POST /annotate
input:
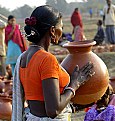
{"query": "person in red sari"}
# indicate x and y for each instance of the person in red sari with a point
(14, 42)
(76, 21)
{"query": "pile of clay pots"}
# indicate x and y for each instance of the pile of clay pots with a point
(5, 99)
(95, 49)
(58, 51)
(104, 48)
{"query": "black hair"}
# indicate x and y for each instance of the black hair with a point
(76, 9)
(103, 102)
(100, 22)
(10, 17)
(46, 17)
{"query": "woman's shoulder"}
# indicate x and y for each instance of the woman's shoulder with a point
(7, 27)
(47, 55)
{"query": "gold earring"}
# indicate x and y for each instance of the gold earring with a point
(53, 39)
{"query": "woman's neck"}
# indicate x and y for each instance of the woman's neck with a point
(44, 44)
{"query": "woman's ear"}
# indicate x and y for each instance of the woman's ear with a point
(52, 32)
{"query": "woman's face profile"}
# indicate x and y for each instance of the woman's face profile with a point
(58, 29)
(12, 21)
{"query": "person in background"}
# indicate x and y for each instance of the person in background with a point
(76, 21)
(91, 12)
(99, 37)
(14, 42)
(101, 13)
(109, 21)
(47, 86)
(2, 47)
(104, 109)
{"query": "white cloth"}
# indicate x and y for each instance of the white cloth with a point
(2, 38)
(2, 24)
(34, 118)
(18, 102)
(65, 115)
(110, 17)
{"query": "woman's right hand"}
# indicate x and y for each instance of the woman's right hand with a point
(81, 75)
(13, 26)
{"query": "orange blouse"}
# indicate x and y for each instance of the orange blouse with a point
(42, 65)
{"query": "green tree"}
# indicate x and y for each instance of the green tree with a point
(23, 11)
(61, 5)
(4, 11)
(51, 2)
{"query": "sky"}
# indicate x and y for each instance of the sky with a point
(12, 4)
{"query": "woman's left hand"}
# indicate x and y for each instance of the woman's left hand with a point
(81, 75)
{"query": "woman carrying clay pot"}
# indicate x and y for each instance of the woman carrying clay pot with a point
(48, 88)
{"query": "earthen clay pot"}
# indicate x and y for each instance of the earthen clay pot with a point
(5, 108)
(112, 82)
(80, 54)
(2, 86)
(8, 85)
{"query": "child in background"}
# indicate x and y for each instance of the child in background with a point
(99, 37)
(104, 109)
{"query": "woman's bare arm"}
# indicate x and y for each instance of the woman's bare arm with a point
(54, 102)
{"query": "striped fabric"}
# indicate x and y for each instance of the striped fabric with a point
(18, 100)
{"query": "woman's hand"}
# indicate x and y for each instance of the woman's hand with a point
(80, 76)
(13, 26)
(12, 32)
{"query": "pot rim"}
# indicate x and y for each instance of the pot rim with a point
(5, 98)
(7, 81)
(85, 43)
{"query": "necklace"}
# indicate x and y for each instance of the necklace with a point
(37, 46)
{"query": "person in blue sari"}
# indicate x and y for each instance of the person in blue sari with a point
(14, 42)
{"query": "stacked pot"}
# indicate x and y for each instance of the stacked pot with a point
(5, 99)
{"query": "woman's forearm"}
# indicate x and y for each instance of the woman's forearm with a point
(66, 97)
(54, 102)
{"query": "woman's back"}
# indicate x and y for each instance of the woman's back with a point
(42, 65)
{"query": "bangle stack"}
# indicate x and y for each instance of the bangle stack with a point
(70, 88)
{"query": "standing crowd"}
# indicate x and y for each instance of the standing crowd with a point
(108, 21)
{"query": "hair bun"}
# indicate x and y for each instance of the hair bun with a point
(32, 34)
(27, 29)
(30, 21)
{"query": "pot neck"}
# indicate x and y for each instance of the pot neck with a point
(74, 50)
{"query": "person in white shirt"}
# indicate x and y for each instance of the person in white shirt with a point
(109, 21)
(2, 47)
